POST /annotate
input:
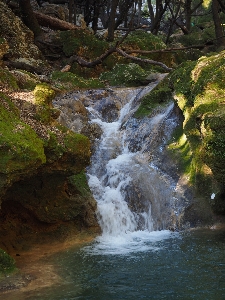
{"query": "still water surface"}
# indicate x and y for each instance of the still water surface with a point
(157, 265)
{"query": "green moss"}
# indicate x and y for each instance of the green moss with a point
(43, 114)
(7, 263)
(158, 96)
(80, 182)
(7, 80)
(20, 147)
(43, 94)
(81, 42)
(70, 81)
(144, 40)
(70, 142)
(53, 149)
(181, 153)
(27, 80)
(78, 143)
(124, 75)
(199, 92)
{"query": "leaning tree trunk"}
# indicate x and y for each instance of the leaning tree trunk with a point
(217, 23)
(54, 23)
(29, 18)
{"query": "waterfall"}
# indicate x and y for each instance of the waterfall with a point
(138, 191)
(109, 177)
(124, 203)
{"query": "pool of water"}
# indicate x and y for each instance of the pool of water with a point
(159, 265)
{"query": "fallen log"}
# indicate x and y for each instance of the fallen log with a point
(23, 66)
(54, 23)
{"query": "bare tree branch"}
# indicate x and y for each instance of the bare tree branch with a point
(84, 63)
(165, 50)
(147, 61)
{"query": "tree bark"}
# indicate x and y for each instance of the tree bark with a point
(29, 18)
(111, 24)
(157, 14)
(217, 23)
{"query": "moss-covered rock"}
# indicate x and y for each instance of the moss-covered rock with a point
(82, 43)
(25, 80)
(159, 96)
(140, 39)
(125, 75)
(70, 81)
(39, 200)
(199, 92)
(20, 147)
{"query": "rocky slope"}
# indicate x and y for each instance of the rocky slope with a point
(43, 191)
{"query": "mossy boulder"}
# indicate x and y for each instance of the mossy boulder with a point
(159, 96)
(66, 154)
(25, 80)
(199, 92)
(20, 148)
(70, 81)
(43, 190)
(44, 94)
(124, 75)
(143, 40)
(81, 42)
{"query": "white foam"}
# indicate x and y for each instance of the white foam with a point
(126, 244)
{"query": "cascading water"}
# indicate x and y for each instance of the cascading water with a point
(134, 196)
(109, 177)
(136, 188)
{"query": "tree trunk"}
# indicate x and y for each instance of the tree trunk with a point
(124, 8)
(157, 14)
(111, 24)
(29, 18)
(187, 11)
(72, 17)
(217, 23)
(96, 15)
